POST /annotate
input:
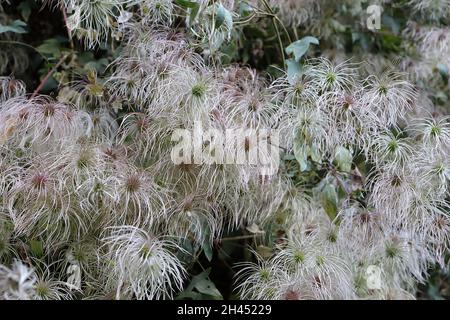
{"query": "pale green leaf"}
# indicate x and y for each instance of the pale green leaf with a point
(300, 47)
(17, 26)
(343, 158)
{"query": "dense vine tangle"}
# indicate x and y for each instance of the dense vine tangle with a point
(107, 201)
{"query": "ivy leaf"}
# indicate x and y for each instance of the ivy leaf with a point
(37, 248)
(343, 158)
(300, 47)
(17, 26)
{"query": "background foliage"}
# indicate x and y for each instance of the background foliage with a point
(35, 47)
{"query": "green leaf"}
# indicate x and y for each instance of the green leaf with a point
(194, 13)
(300, 47)
(442, 68)
(391, 42)
(441, 96)
(443, 71)
(97, 65)
(245, 9)
(208, 288)
(363, 39)
(264, 251)
(193, 6)
(343, 158)
(301, 153)
(186, 4)
(315, 154)
(294, 70)
(25, 8)
(223, 17)
(50, 47)
(200, 286)
(50, 84)
(392, 23)
(339, 27)
(37, 248)
(17, 26)
(330, 200)
(207, 249)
